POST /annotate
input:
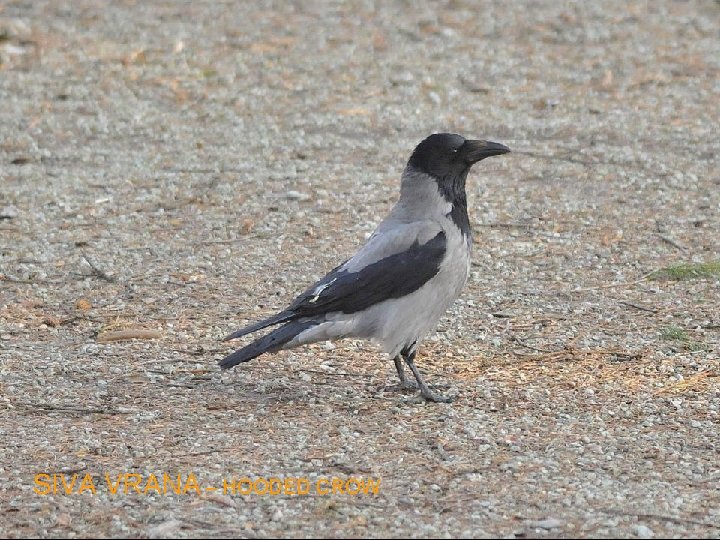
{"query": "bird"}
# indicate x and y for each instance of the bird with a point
(398, 285)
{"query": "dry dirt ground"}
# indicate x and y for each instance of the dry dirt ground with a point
(173, 170)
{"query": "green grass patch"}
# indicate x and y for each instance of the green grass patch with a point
(684, 271)
(674, 333)
(681, 339)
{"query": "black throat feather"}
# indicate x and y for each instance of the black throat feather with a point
(452, 188)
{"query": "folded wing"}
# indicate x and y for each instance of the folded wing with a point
(390, 265)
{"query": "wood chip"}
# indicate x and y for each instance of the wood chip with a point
(220, 499)
(120, 335)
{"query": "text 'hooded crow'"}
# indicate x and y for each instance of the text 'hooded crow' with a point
(397, 286)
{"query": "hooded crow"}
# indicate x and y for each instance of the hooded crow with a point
(397, 286)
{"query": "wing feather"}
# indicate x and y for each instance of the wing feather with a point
(395, 275)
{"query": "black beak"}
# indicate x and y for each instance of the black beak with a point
(479, 150)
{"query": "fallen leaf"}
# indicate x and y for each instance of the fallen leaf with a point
(247, 226)
(83, 304)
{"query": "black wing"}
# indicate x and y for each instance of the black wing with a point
(344, 291)
(284, 316)
(392, 277)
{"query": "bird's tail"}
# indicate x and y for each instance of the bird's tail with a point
(272, 342)
(270, 321)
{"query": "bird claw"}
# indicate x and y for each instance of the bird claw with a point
(412, 385)
(436, 398)
(403, 386)
(407, 386)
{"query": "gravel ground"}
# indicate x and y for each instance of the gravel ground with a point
(176, 169)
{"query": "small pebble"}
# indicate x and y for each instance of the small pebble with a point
(547, 523)
(642, 531)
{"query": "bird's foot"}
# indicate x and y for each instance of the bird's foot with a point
(429, 395)
(435, 398)
(403, 386)
(425, 392)
(412, 385)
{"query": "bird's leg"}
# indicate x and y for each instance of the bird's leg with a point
(424, 390)
(404, 383)
(400, 370)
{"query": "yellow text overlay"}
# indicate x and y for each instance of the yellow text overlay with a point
(166, 484)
